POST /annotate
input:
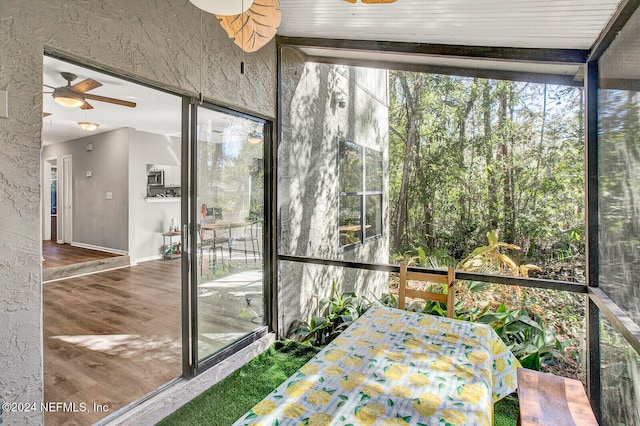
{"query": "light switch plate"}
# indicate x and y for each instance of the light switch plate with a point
(4, 104)
(88, 173)
(109, 195)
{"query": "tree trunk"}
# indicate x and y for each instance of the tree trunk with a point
(462, 137)
(507, 158)
(492, 213)
(413, 96)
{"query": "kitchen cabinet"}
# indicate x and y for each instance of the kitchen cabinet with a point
(171, 176)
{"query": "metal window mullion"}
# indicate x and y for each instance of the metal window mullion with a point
(193, 220)
(594, 383)
(187, 364)
(363, 196)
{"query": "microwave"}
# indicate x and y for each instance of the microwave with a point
(155, 178)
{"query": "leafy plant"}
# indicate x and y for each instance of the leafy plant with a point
(526, 337)
(338, 312)
(492, 254)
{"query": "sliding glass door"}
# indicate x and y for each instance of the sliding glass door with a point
(226, 227)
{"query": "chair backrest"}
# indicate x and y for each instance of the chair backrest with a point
(405, 292)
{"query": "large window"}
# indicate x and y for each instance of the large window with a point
(360, 193)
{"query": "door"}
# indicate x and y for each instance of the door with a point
(46, 199)
(226, 227)
(67, 200)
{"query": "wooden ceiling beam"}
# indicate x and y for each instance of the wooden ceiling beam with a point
(573, 56)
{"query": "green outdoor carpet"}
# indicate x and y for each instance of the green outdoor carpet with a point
(228, 400)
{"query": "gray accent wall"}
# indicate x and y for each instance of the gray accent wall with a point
(97, 221)
(308, 189)
(153, 41)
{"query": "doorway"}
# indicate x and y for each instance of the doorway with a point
(190, 216)
(50, 200)
(67, 199)
(111, 325)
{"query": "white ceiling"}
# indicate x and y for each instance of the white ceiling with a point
(527, 24)
(558, 24)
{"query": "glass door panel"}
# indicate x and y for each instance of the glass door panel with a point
(228, 258)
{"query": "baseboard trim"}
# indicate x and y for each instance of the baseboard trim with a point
(99, 248)
(146, 259)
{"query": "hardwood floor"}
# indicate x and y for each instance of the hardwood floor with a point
(56, 255)
(110, 338)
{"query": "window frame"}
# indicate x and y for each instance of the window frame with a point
(368, 157)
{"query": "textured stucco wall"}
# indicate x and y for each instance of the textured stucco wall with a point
(154, 41)
(308, 202)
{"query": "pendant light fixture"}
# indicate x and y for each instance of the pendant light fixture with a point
(254, 137)
(223, 7)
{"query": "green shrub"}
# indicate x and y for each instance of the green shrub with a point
(338, 312)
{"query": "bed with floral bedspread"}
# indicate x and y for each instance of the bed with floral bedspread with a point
(393, 367)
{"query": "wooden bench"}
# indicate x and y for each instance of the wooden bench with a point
(546, 399)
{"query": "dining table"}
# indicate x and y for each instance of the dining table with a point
(395, 367)
(223, 228)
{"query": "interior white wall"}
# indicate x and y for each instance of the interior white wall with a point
(153, 41)
(150, 218)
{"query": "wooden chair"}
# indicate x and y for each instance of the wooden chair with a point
(546, 399)
(205, 245)
(405, 292)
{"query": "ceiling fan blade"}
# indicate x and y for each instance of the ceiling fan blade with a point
(50, 87)
(86, 85)
(86, 105)
(45, 114)
(110, 100)
(47, 93)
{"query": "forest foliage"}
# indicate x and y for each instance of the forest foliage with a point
(469, 156)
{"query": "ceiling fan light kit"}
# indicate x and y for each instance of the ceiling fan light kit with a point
(68, 97)
(223, 7)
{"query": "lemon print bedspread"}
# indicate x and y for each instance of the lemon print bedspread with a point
(393, 367)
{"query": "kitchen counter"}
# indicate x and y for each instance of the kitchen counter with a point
(163, 199)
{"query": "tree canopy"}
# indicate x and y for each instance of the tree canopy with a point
(468, 156)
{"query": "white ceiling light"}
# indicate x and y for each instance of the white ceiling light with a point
(223, 7)
(254, 138)
(88, 126)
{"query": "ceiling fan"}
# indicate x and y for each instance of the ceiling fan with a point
(76, 95)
